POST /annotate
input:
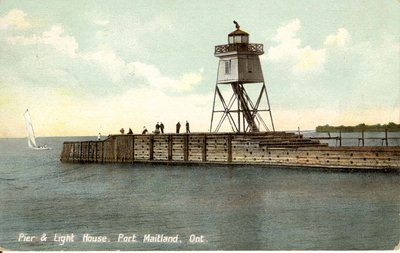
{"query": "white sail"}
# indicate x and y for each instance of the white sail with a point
(29, 127)
(31, 134)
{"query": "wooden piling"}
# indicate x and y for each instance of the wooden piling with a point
(169, 147)
(386, 137)
(151, 152)
(229, 141)
(204, 148)
(362, 138)
(81, 153)
(186, 148)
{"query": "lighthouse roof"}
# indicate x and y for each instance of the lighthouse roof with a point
(238, 32)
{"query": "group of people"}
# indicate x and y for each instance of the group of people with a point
(159, 129)
(122, 131)
(178, 127)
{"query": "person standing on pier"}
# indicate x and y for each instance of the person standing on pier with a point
(157, 131)
(162, 127)
(122, 131)
(144, 130)
(187, 127)
(130, 131)
(99, 137)
(178, 127)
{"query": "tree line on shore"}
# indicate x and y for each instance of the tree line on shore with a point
(390, 127)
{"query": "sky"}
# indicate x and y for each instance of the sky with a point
(84, 67)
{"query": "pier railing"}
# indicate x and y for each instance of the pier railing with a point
(359, 140)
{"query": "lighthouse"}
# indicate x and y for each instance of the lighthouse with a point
(240, 96)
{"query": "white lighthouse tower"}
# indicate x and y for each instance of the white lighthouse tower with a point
(239, 66)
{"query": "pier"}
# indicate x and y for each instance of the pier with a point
(253, 139)
(266, 148)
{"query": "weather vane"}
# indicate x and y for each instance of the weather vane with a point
(237, 24)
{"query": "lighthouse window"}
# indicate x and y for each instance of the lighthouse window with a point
(227, 67)
(249, 67)
(238, 39)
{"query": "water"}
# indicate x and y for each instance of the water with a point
(227, 207)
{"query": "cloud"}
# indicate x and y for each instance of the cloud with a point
(287, 32)
(118, 69)
(288, 46)
(55, 37)
(109, 61)
(156, 80)
(289, 50)
(303, 59)
(15, 18)
(340, 39)
(188, 81)
(112, 64)
(309, 60)
(63, 43)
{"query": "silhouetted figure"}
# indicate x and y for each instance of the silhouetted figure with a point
(187, 127)
(122, 131)
(130, 131)
(144, 130)
(162, 127)
(157, 131)
(178, 127)
(99, 137)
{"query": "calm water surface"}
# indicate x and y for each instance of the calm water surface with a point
(233, 208)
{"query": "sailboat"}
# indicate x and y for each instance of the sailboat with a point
(31, 134)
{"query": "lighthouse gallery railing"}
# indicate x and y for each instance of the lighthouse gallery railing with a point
(239, 47)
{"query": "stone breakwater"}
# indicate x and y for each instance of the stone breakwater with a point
(268, 148)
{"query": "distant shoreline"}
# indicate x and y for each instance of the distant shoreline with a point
(390, 127)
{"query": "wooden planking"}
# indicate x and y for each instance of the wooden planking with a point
(142, 147)
(178, 142)
(196, 147)
(217, 149)
(123, 149)
(319, 157)
(160, 148)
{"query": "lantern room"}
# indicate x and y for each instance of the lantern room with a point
(238, 36)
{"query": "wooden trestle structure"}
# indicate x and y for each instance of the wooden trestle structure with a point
(265, 148)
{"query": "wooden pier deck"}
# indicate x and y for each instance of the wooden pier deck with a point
(268, 148)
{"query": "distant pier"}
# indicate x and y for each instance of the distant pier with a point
(266, 148)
